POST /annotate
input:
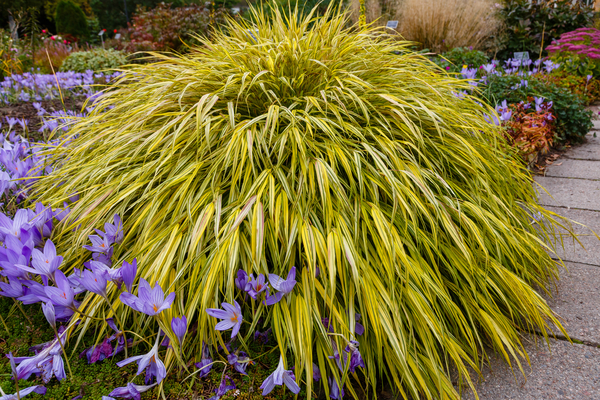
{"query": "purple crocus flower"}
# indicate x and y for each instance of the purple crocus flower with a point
(205, 364)
(114, 232)
(13, 288)
(105, 349)
(283, 286)
(128, 273)
(335, 392)
(94, 282)
(355, 357)
(278, 378)
(131, 391)
(358, 327)
(151, 301)
(150, 362)
(240, 361)
(256, 286)
(231, 316)
(241, 280)
(316, 373)
(13, 227)
(61, 295)
(179, 326)
(99, 245)
(223, 387)
(23, 392)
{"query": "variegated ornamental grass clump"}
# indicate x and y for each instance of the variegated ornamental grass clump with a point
(312, 145)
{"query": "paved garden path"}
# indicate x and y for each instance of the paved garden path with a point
(565, 371)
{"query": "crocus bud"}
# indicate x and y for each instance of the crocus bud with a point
(179, 326)
(48, 309)
(128, 272)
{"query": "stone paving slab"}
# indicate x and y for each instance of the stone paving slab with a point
(567, 192)
(586, 151)
(576, 299)
(567, 371)
(573, 168)
(573, 251)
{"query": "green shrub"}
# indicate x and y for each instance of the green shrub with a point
(529, 22)
(455, 59)
(95, 60)
(70, 19)
(311, 144)
(573, 121)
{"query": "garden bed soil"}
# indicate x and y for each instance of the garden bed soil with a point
(26, 110)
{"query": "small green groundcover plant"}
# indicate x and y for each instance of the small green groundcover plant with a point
(94, 60)
(297, 147)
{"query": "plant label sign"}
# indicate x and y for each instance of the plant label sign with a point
(101, 32)
(392, 24)
(524, 55)
(118, 36)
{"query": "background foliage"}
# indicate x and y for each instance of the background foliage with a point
(95, 60)
(573, 120)
(528, 23)
(71, 20)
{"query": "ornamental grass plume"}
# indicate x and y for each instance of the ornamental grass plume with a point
(334, 150)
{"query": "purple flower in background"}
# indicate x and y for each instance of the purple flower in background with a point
(355, 357)
(223, 388)
(151, 301)
(241, 280)
(131, 391)
(283, 286)
(128, 273)
(239, 361)
(150, 362)
(588, 78)
(179, 326)
(491, 119)
(231, 316)
(256, 286)
(358, 327)
(335, 392)
(205, 364)
(278, 378)
(316, 373)
(262, 336)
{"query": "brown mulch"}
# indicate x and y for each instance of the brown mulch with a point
(26, 110)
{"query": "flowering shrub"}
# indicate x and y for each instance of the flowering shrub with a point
(578, 52)
(165, 28)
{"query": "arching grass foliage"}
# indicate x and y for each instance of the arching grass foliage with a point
(338, 151)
